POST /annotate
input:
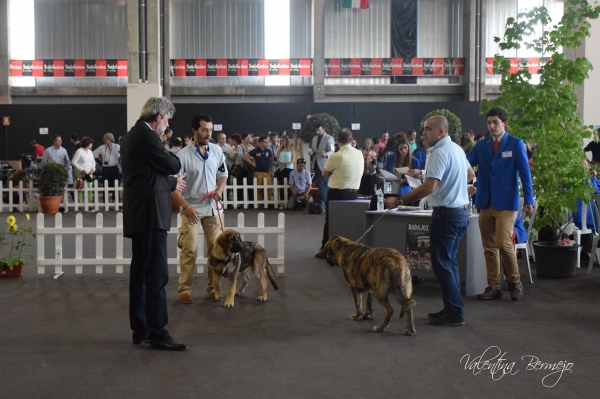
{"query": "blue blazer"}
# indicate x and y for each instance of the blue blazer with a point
(497, 179)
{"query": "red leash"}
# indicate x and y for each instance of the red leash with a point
(218, 205)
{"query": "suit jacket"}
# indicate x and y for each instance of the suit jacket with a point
(147, 181)
(326, 144)
(497, 179)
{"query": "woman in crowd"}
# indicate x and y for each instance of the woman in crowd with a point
(84, 164)
(368, 179)
(286, 161)
(403, 159)
(247, 171)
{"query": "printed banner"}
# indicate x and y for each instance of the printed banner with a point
(68, 68)
(241, 67)
(418, 251)
(394, 66)
(516, 64)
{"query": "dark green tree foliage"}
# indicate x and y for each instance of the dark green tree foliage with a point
(545, 114)
(53, 179)
(309, 126)
(454, 123)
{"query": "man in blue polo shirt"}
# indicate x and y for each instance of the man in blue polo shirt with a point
(446, 185)
(262, 159)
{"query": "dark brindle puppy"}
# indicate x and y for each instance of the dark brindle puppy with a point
(378, 271)
(231, 256)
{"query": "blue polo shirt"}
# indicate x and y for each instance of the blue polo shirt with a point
(448, 163)
(261, 157)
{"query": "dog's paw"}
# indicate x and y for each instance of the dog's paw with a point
(410, 332)
(379, 328)
(356, 316)
(368, 316)
(215, 298)
(239, 293)
(262, 298)
(228, 304)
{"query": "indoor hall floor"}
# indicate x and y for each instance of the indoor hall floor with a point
(70, 338)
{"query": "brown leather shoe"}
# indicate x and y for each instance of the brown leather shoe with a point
(516, 291)
(186, 297)
(490, 293)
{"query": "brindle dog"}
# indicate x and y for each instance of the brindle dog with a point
(231, 256)
(377, 271)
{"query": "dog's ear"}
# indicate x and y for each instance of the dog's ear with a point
(224, 241)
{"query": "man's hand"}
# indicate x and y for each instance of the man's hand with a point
(180, 183)
(414, 172)
(390, 202)
(528, 209)
(323, 154)
(471, 190)
(191, 214)
(217, 196)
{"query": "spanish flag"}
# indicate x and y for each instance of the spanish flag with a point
(355, 3)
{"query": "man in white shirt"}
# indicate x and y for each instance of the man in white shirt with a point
(108, 155)
(344, 169)
(203, 164)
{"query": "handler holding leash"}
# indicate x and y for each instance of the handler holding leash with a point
(206, 176)
(448, 172)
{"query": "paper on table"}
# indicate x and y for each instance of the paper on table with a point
(414, 183)
(402, 171)
(387, 175)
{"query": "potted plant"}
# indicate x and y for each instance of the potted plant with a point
(546, 115)
(52, 181)
(12, 265)
(309, 126)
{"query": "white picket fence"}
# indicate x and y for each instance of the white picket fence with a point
(74, 237)
(111, 198)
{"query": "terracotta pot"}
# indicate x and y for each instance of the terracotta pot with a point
(17, 271)
(50, 204)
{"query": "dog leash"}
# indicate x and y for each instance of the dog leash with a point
(369, 229)
(219, 206)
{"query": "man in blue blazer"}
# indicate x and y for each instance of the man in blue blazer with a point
(502, 160)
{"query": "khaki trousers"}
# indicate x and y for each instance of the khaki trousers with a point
(188, 242)
(496, 228)
(261, 177)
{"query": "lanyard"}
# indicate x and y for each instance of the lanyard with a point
(205, 157)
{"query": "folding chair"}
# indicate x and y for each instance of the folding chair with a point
(527, 245)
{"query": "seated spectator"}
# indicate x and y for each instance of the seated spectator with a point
(26, 160)
(300, 184)
(16, 178)
(591, 220)
(403, 158)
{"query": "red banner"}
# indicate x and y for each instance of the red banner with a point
(241, 67)
(532, 64)
(68, 68)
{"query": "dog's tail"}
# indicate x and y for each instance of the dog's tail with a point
(271, 276)
(403, 290)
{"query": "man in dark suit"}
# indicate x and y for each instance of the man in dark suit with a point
(147, 185)
(502, 159)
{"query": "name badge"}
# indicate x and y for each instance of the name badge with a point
(506, 154)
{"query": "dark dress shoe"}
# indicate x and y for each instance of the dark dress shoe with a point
(516, 291)
(168, 344)
(436, 315)
(490, 293)
(141, 340)
(444, 321)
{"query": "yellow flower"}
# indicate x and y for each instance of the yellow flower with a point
(10, 220)
(12, 228)
(27, 216)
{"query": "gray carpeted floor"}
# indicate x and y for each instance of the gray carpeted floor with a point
(69, 338)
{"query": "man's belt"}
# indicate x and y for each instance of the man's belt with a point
(346, 190)
(445, 208)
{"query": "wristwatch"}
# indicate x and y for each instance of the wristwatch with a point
(400, 202)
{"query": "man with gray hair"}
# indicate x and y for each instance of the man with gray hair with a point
(147, 186)
(109, 156)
